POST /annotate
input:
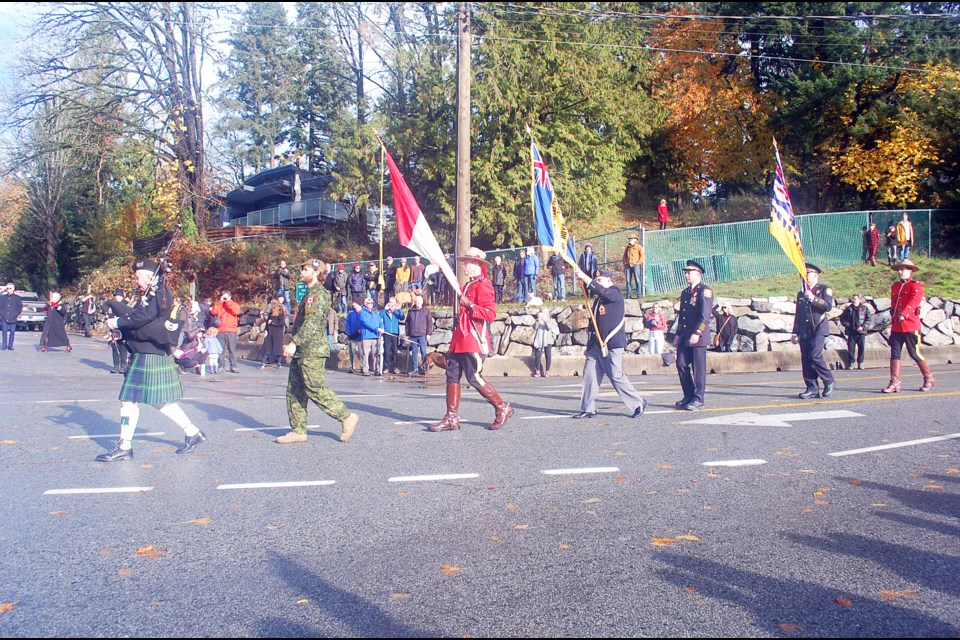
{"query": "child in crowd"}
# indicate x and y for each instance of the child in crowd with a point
(542, 345)
(214, 349)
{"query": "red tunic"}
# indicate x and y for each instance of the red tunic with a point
(662, 214)
(472, 334)
(905, 300)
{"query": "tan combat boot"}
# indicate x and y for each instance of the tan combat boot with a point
(347, 426)
(292, 438)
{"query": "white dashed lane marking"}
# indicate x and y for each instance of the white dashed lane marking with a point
(570, 472)
(65, 492)
(434, 478)
(895, 445)
(275, 485)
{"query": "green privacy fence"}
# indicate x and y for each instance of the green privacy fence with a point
(747, 251)
(729, 252)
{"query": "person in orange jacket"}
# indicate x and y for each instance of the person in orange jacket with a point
(906, 296)
(229, 313)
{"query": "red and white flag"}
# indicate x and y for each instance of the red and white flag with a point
(412, 227)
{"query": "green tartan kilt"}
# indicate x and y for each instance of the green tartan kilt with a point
(151, 379)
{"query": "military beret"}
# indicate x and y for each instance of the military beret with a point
(693, 265)
(604, 273)
(118, 292)
(313, 263)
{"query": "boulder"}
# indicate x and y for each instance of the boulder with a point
(579, 319)
(750, 326)
(775, 336)
(564, 314)
(933, 317)
(632, 325)
(937, 339)
(443, 323)
(833, 342)
(876, 340)
(789, 307)
(882, 304)
(784, 346)
(955, 321)
(946, 327)
(505, 340)
(761, 305)
(440, 336)
(633, 347)
(518, 350)
(572, 351)
(935, 302)
(497, 327)
(776, 322)
(924, 309)
(525, 320)
(762, 342)
(522, 335)
(581, 337)
(949, 307)
(744, 343)
(632, 307)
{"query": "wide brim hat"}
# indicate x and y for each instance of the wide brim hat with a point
(633, 236)
(693, 265)
(812, 267)
(905, 264)
(474, 255)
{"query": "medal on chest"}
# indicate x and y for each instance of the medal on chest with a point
(602, 310)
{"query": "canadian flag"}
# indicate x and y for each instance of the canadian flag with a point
(412, 227)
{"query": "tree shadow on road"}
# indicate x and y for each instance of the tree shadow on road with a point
(335, 607)
(935, 502)
(782, 606)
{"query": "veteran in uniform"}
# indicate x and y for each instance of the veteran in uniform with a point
(810, 329)
(693, 337)
(308, 352)
(604, 355)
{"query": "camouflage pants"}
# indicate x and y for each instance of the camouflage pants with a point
(306, 383)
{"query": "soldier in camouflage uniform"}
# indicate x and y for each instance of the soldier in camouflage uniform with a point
(309, 351)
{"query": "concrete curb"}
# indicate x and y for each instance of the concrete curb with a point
(642, 365)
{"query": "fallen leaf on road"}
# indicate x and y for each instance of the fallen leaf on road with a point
(934, 487)
(62, 512)
(953, 470)
(591, 512)
(511, 506)
(201, 521)
(494, 538)
(150, 551)
(522, 527)
(878, 504)
(689, 589)
(565, 547)
(807, 510)
(821, 492)
(303, 601)
(916, 475)
(620, 479)
(689, 537)
(105, 550)
(619, 454)
(590, 501)
(8, 442)
(789, 627)
(843, 602)
(909, 594)
(821, 502)
(450, 569)
(125, 573)
(853, 482)
(662, 542)
(665, 466)
(786, 453)
(810, 471)
(6, 606)
(399, 596)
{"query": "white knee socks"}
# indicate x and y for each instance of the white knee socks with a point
(175, 413)
(129, 415)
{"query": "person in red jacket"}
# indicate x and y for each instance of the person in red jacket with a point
(663, 215)
(906, 296)
(872, 240)
(229, 312)
(470, 344)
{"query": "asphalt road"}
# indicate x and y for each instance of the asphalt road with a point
(839, 518)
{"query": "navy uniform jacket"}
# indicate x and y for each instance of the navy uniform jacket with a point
(811, 317)
(608, 310)
(696, 307)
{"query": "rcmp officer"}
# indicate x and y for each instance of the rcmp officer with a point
(906, 296)
(810, 329)
(604, 355)
(693, 337)
(308, 351)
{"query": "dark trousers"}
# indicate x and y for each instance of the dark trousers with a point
(9, 330)
(692, 369)
(120, 355)
(498, 290)
(390, 352)
(856, 342)
(87, 320)
(911, 341)
(538, 358)
(814, 366)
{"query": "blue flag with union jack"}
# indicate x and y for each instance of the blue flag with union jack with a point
(551, 230)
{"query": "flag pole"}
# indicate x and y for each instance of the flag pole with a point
(386, 294)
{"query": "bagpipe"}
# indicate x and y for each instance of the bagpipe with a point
(161, 330)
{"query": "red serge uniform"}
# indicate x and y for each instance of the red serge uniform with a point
(905, 300)
(472, 334)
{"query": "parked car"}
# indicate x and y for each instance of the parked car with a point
(34, 311)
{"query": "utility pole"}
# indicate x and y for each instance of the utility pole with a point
(463, 132)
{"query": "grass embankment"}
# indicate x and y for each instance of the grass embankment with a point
(940, 278)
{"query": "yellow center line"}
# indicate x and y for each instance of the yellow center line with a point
(807, 403)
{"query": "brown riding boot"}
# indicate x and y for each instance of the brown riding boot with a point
(504, 410)
(894, 385)
(451, 420)
(928, 380)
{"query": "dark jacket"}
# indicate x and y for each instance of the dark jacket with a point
(557, 265)
(696, 305)
(498, 275)
(853, 318)
(355, 282)
(11, 306)
(811, 318)
(143, 325)
(589, 263)
(608, 310)
(726, 328)
(419, 322)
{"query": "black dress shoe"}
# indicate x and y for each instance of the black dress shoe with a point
(682, 404)
(116, 454)
(828, 389)
(639, 410)
(584, 414)
(694, 405)
(191, 442)
(810, 393)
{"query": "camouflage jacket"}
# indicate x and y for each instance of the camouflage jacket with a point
(310, 328)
